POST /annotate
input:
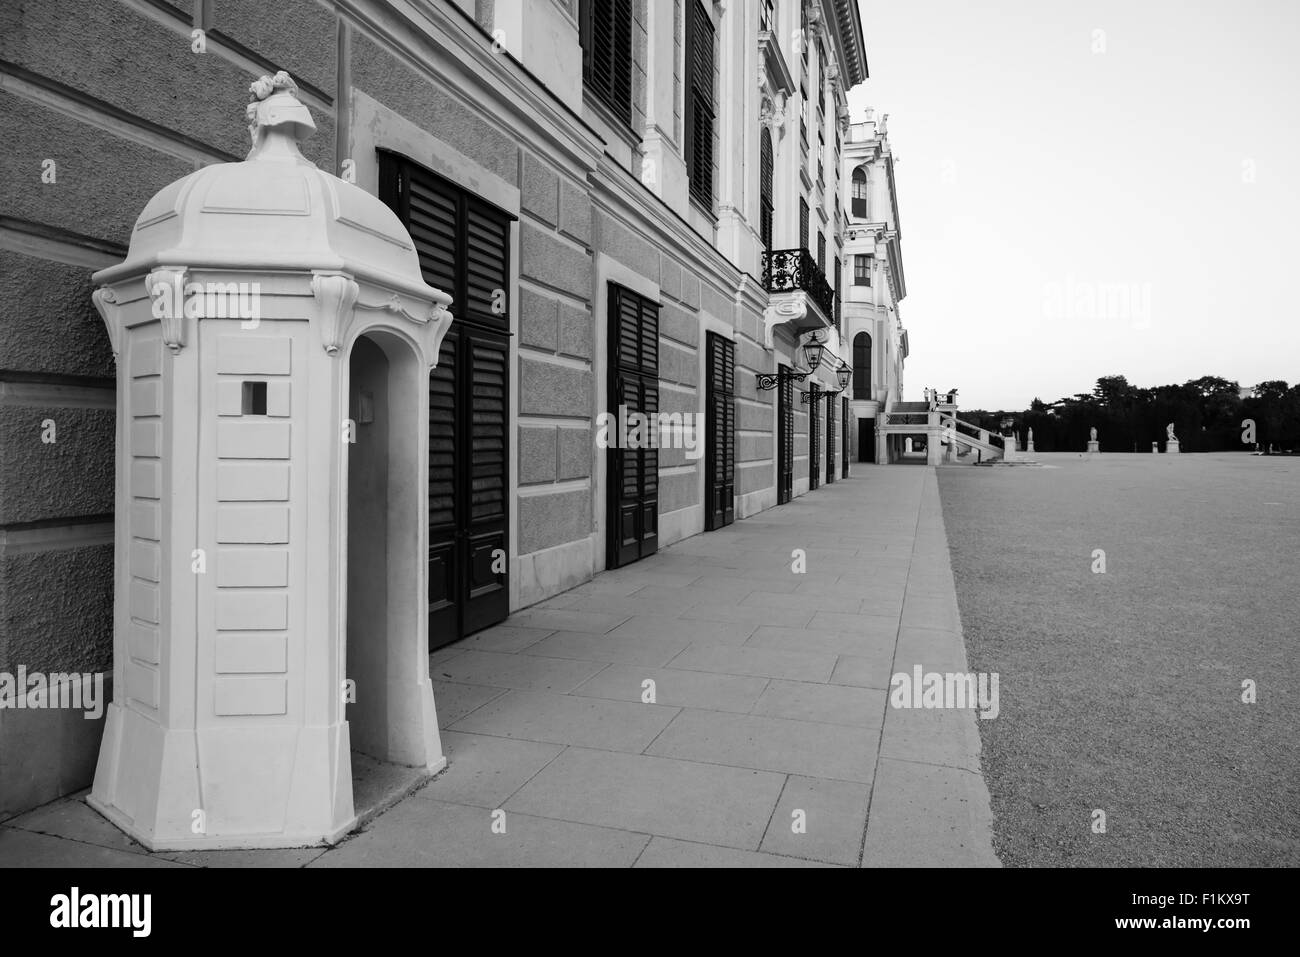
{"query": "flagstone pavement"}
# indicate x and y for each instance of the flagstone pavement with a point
(768, 740)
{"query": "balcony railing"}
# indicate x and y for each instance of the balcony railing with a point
(787, 270)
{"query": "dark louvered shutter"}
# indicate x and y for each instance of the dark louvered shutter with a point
(844, 414)
(606, 38)
(720, 402)
(814, 436)
(839, 270)
(443, 515)
(633, 506)
(765, 164)
(487, 274)
(488, 481)
(821, 250)
(700, 103)
(431, 217)
(785, 437)
(803, 224)
(463, 246)
(831, 438)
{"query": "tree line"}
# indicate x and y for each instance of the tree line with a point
(1209, 414)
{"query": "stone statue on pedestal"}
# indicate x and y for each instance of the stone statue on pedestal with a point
(1093, 445)
(1171, 440)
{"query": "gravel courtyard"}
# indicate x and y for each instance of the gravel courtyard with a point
(1122, 691)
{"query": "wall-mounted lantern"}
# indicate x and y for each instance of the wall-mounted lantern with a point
(813, 349)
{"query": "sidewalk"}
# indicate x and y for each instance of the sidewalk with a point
(770, 699)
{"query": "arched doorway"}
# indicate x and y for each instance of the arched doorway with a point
(388, 697)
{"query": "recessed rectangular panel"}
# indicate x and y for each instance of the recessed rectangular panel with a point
(146, 560)
(144, 599)
(252, 440)
(442, 581)
(252, 611)
(252, 568)
(141, 683)
(146, 397)
(252, 525)
(250, 696)
(146, 479)
(143, 642)
(146, 438)
(249, 354)
(146, 520)
(146, 357)
(253, 482)
(251, 654)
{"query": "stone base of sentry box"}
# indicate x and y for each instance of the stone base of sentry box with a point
(151, 788)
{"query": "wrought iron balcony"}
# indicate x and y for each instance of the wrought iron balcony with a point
(788, 270)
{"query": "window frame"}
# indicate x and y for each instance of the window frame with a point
(621, 16)
(700, 182)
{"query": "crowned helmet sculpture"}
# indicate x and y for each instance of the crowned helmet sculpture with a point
(274, 102)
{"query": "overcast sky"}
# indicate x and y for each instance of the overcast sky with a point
(1092, 188)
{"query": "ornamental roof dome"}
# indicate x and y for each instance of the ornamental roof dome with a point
(275, 210)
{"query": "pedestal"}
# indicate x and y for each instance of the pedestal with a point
(1094, 446)
(1172, 447)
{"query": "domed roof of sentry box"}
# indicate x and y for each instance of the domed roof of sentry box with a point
(275, 210)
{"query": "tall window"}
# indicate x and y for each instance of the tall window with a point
(821, 250)
(862, 270)
(605, 32)
(803, 224)
(765, 187)
(699, 103)
(860, 193)
(862, 366)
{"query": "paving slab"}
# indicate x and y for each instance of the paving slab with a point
(645, 626)
(667, 852)
(504, 638)
(484, 770)
(529, 672)
(718, 611)
(562, 619)
(675, 688)
(73, 819)
(453, 701)
(570, 719)
(928, 816)
(653, 795)
(22, 848)
(772, 744)
(828, 704)
(623, 649)
(820, 820)
(426, 833)
(757, 662)
(860, 672)
(823, 642)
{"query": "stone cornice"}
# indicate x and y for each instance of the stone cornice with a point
(501, 86)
